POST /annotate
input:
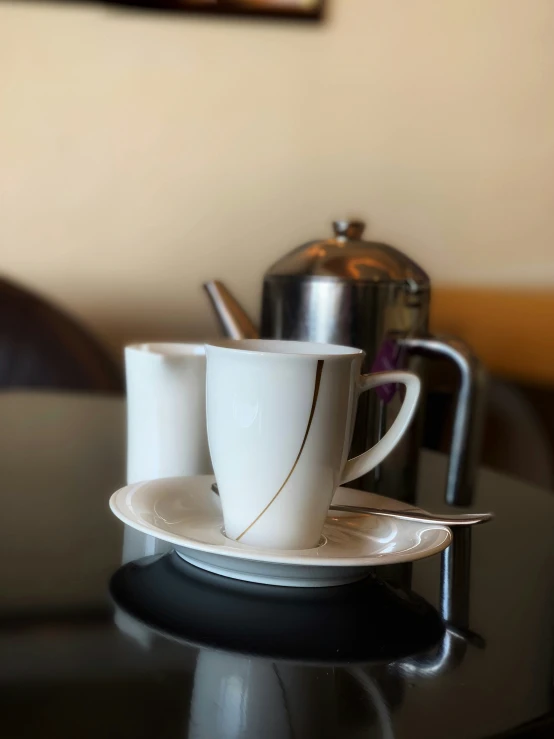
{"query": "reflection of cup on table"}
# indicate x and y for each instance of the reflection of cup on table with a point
(236, 696)
(166, 421)
(280, 418)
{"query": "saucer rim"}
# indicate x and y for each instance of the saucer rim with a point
(277, 556)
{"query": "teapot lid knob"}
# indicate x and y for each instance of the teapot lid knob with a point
(348, 229)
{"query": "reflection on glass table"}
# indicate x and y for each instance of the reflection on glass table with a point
(459, 647)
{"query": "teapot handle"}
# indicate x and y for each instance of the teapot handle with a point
(465, 445)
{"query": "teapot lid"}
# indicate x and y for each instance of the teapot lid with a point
(348, 257)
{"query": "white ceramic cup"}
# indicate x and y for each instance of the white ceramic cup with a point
(280, 417)
(166, 411)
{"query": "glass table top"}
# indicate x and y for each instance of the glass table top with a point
(102, 639)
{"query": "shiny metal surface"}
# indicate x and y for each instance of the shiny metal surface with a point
(454, 601)
(347, 257)
(467, 429)
(459, 519)
(234, 321)
(347, 291)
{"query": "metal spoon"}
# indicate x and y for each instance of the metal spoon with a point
(411, 514)
(417, 514)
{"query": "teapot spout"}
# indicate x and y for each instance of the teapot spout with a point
(234, 321)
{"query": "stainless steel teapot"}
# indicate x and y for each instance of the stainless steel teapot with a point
(345, 290)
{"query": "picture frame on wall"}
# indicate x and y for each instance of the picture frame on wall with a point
(292, 9)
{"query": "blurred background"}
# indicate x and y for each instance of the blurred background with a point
(142, 153)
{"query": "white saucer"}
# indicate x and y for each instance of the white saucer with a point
(185, 512)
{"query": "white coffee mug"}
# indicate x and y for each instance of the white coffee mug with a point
(166, 411)
(280, 417)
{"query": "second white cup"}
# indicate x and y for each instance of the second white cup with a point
(166, 411)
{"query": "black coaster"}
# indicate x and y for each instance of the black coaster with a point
(367, 621)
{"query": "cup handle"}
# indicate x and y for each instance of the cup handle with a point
(362, 464)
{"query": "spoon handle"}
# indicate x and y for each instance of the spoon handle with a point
(412, 514)
(458, 519)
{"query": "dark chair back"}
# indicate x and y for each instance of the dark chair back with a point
(43, 347)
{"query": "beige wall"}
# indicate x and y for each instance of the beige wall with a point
(141, 155)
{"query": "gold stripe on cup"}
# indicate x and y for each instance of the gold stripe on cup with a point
(318, 373)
